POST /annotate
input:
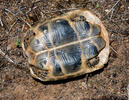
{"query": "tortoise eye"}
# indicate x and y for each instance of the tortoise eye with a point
(34, 33)
(27, 38)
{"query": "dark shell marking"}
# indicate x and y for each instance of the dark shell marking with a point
(67, 58)
(62, 45)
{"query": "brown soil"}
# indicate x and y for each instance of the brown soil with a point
(109, 83)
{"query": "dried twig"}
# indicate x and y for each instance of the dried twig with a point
(17, 19)
(1, 22)
(23, 27)
(13, 25)
(6, 56)
(111, 14)
(114, 50)
(61, 10)
(10, 12)
(25, 22)
(113, 7)
(8, 16)
(112, 10)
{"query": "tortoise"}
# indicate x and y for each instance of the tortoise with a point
(67, 46)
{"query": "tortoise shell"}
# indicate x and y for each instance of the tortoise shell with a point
(66, 46)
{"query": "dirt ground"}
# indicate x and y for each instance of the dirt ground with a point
(109, 83)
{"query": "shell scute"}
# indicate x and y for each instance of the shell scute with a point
(89, 49)
(36, 45)
(70, 58)
(41, 60)
(100, 42)
(44, 35)
(62, 32)
(83, 29)
(95, 30)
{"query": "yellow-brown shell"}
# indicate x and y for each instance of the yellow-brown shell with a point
(66, 46)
